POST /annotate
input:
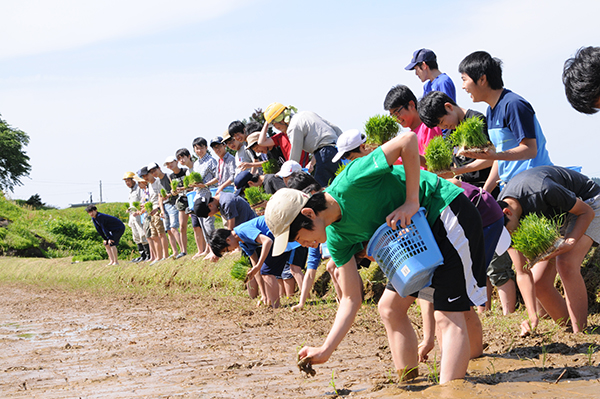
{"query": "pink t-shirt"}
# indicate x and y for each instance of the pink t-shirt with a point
(424, 136)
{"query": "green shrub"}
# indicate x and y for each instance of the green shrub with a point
(535, 236)
(438, 154)
(380, 129)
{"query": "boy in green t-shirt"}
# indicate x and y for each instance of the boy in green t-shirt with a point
(369, 192)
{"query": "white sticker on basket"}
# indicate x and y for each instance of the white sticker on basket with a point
(405, 270)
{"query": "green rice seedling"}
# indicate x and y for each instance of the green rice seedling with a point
(332, 382)
(240, 268)
(163, 192)
(590, 352)
(174, 184)
(536, 237)
(136, 205)
(148, 206)
(195, 178)
(438, 155)
(270, 167)
(340, 169)
(434, 372)
(186, 181)
(469, 135)
(254, 195)
(380, 129)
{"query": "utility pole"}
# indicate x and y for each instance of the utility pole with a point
(91, 200)
(100, 191)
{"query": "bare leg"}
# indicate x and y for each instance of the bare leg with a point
(401, 336)
(297, 273)
(252, 287)
(164, 243)
(199, 238)
(455, 345)
(109, 253)
(272, 290)
(183, 221)
(261, 288)
(307, 285)
(289, 286)
(554, 304)
(488, 304)
(173, 233)
(475, 333)
(508, 296)
(568, 266)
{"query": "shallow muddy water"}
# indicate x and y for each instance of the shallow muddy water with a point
(57, 344)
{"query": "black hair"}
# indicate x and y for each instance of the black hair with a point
(254, 178)
(399, 96)
(253, 126)
(304, 182)
(182, 152)
(431, 64)
(200, 142)
(354, 150)
(90, 208)
(318, 204)
(218, 241)
(480, 63)
(504, 204)
(432, 108)
(236, 127)
(581, 77)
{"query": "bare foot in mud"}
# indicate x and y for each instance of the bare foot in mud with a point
(297, 307)
(526, 329)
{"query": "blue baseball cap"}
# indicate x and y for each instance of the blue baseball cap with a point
(241, 181)
(420, 56)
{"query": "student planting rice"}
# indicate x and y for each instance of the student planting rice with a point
(552, 191)
(348, 213)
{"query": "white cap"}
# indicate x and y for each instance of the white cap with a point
(288, 168)
(152, 165)
(281, 210)
(347, 141)
(170, 159)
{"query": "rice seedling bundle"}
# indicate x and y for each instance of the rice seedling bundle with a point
(438, 155)
(469, 135)
(340, 169)
(380, 129)
(536, 237)
(240, 268)
(136, 205)
(148, 206)
(270, 167)
(186, 181)
(174, 184)
(163, 192)
(195, 178)
(254, 195)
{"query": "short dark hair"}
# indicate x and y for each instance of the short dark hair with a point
(304, 182)
(254, 178)
(253, 126)
(200, 142)
(504, 204)
(318, 204)
(218, 241)
(432, 108)
(399, 96)
(480, 63)
(236, 127)
(90, 208)
(431, 64)
(581, 77)
(182, 152)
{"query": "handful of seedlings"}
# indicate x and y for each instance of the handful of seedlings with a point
(256, 195)
(270, 167)
(148, 206)
(438, 155)
(537, 237)
(174, 184)
(195, 178)
(163, 192)
(186, 181)
(136, 205)
(469, 136)
(380, 129)
(306, 367)
(240, 268)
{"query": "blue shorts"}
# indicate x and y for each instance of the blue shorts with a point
(286, 274)
(171, 217)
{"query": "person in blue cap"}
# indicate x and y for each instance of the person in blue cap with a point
(424, 63)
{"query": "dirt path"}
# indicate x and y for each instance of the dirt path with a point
(57, 344)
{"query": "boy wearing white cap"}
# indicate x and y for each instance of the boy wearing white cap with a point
(287, 169)
(348, 213)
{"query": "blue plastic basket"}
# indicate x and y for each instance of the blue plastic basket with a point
(408, 256)
(191, 196)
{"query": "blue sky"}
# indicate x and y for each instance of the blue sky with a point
(106, 87)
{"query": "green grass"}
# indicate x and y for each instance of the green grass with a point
(380, 129)
(438, 154)
(535, 235)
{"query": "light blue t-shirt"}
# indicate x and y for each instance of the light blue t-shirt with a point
(509, 122)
